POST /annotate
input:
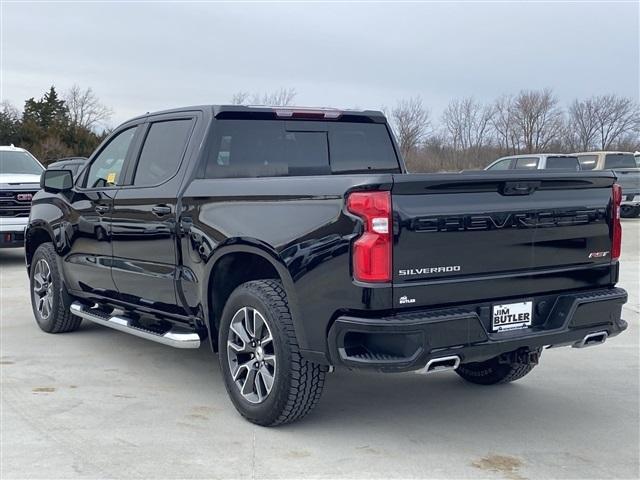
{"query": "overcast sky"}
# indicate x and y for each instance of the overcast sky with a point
(142, 57)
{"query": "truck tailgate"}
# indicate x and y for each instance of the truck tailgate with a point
(462, 238)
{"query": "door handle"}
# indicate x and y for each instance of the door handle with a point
(101, 209)
(161, 210)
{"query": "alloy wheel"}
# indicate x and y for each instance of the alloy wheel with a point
(251, 354)
(43, 288)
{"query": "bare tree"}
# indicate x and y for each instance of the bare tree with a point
(240, 98)
(411, 123)
(615, 117)
(467, 123)
(85, 109)
(280, 97)
(504, 125)
(539, 119)
(582, 128)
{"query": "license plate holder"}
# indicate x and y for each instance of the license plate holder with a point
(511, 316)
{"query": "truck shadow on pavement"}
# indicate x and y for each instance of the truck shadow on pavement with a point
(440, 403)
(10, 257)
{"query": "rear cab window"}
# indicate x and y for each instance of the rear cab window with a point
(619, 160)
(563, 163)
(272, 148)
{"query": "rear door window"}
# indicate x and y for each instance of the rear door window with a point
(271, 148)
(563, 163)
(528, 163)
(162, 151)
(588, 162)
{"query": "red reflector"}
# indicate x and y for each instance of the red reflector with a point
(372, 250)
(616, 227)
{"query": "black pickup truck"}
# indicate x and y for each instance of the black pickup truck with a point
(294, 240)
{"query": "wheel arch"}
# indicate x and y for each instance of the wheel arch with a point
(233, 265)
(34, 237)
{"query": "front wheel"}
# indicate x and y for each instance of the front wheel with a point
(501, 369)
(266, 377)
(49, 298)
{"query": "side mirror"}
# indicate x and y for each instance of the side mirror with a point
(56, 180)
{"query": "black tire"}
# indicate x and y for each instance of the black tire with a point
(629, 211)
(496, 370)
(297, 383)
(58, 318)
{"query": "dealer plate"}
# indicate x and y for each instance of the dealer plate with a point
(511, 316)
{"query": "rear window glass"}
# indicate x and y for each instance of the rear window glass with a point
(272, 148)
(563, 163)
(619, 160)
(588, 162)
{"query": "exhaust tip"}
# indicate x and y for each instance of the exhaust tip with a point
(591, 340)
(440, 364)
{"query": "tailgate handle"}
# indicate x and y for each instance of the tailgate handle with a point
(519, 188)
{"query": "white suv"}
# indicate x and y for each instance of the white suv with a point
(19, 181)
(537, 161)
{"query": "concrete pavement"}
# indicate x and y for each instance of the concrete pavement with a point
(97, 403)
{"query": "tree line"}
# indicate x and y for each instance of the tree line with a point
(56, 126)
(468, 134)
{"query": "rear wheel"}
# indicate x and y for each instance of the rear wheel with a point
(266, 377)
(501, 369)
(629, 211)
(49, 298)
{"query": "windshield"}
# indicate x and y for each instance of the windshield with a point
(19, 162)
(619, 160)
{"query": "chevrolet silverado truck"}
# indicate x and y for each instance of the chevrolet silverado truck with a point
(293, 241)
(623, 165)
(19, 181)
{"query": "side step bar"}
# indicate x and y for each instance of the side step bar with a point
(174, 338)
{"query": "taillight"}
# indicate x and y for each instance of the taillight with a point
(372, 250)
(616, 227)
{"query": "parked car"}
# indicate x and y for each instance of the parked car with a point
(19, 181)
(294, 240)
(637, 157)
(542, 161)
(74, 164)
(624, 165)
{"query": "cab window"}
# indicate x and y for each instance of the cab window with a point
(501, 165)
(527, 163)
(106, 169)
(588, 162)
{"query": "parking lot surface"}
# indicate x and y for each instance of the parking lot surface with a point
(98, 403)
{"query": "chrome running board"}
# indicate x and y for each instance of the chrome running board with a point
(178, 338)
